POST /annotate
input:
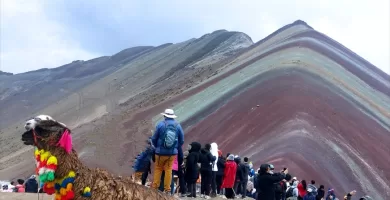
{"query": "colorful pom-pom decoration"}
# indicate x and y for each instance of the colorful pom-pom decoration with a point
(87, 192)
(46, 167)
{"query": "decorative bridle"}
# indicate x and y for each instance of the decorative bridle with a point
(36, 137)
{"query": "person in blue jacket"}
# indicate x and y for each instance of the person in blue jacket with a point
(167, 138)
(142, 165)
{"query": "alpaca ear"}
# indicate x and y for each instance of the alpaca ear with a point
(66, 141)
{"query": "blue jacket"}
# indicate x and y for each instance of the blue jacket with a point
(157, 138)
(142, 163)
(309, 196)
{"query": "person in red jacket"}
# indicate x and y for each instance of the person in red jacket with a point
(229, 177)
(302, 187)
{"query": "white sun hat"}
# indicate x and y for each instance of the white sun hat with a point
(169, 113)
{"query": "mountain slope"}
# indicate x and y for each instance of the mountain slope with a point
(297, 98)
(91, 91)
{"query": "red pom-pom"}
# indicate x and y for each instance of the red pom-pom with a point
(52, 166)
(47, 190)
(69, 195)
(38, 158)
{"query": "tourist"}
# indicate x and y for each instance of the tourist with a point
(349, 195)
(313, 187)
(302, 189)
(167, 138)
(31, 185)
(245, 169)
(142, 164)
(206, 161)
(310, 195)
(180, 172)
(292, 191)
(214, 152)
(221, 168)
(19, 187)
(192, 170)
(331, 195)
(266, 182)
(229, 176)
(239, 176)
(320, 192)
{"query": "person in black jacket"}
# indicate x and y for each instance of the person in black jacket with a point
(191, 167)
(205, 170)
(31, 185)
(245, 173)
(221, 168)
(265, 182)
(239, 176)
(320, 192)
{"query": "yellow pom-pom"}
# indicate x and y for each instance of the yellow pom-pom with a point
(52, 160)
(72, 174)
(41, 151)
(63, 191)
(45, 156)
(87, 189)
(36, 152)
(69, 187)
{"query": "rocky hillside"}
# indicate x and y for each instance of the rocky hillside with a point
(82, 92)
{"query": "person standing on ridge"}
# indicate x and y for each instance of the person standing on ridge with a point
(167, 138)
(214, 152)
(245, 169)
(206, 168)
(221, 168)
(192, 168)
(266, 182)
(229, 176)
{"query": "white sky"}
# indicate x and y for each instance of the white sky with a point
(31, 38)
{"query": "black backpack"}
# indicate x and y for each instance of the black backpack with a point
(290, 192)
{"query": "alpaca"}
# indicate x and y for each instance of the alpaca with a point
(66, 177)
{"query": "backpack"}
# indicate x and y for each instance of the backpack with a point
(290, 192)
(170, 136)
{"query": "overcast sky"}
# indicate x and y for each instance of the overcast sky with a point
(49, 33)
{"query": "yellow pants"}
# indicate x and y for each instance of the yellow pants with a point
(163, 163)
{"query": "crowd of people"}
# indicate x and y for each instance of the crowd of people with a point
(28, 186)
(203, 170)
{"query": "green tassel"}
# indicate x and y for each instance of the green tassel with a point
(50, 176)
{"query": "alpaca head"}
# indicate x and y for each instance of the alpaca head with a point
(43, 131)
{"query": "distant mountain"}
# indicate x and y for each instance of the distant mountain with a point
(296, 99)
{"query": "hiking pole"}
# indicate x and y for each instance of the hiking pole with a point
(234, 193)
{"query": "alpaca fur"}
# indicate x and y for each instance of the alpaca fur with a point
(104, 185)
